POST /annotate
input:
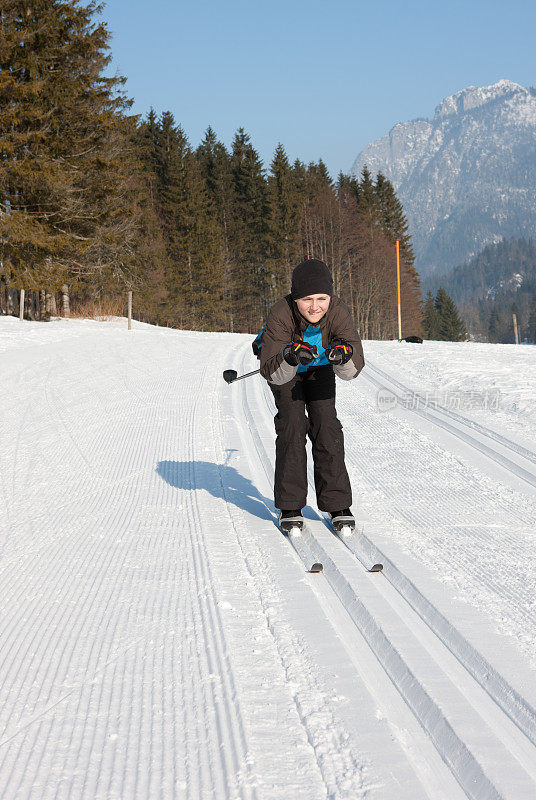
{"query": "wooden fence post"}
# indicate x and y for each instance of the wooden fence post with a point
(21, 305)
(130, 311)
(516, 335)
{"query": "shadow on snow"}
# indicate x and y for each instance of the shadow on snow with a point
(221, 481)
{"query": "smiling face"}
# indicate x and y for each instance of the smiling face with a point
(313, 307)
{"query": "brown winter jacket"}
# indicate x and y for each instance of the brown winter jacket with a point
(285, 323)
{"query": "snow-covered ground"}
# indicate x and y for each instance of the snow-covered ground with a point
(493, 383)
(160, 638)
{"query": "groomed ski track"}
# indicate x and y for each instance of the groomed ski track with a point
(161, 638)
(517, 460)
(396, 655)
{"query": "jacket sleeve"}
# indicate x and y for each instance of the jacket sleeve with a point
(278, 333)
(344, 328)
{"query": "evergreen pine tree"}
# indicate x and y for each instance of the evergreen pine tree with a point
(451, 328)
(317, 181)
(206, 158)
(321, 174)
(215, 167)
(69, 181)
(430, 321)
(494, 325)
(146, 141)
(532, 321)
(367, 199)
(147, 138)
(283, 224)
(346, 184)
(392, 217)
(300, 178)
(195, 282)
(171, 181)
(248, 233)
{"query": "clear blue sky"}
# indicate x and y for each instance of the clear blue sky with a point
(322, 78)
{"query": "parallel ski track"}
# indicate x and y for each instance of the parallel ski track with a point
(462, 427)
(502, 693)
(232, 750)
(477, 426)
(491, 683)
(338, 769)
(438, 508)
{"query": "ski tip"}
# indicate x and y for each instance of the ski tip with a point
(376, 568)
(317, 567)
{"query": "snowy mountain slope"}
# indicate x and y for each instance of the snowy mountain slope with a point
(160, 638)
(467, 177)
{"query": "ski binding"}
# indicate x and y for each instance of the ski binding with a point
(292, 525)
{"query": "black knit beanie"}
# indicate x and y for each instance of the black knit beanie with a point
(311, 277)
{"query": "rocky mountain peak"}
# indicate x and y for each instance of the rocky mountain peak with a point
(475, 97)
(466, 177)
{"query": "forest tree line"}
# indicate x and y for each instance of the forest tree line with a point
(491, 287)
(95, 201)
(441, 321)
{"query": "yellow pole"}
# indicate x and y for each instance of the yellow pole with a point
(398, 289)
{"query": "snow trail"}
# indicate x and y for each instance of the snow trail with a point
(453, 749)
(159, 636)
(472, 530)
(96, 620)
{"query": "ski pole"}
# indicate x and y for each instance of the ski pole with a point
(230, 375)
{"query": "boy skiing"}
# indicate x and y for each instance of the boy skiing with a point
(309, 338)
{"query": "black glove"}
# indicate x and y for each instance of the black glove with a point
(299, 353)
(339, 352)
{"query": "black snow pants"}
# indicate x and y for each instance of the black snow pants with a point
(313, 391)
